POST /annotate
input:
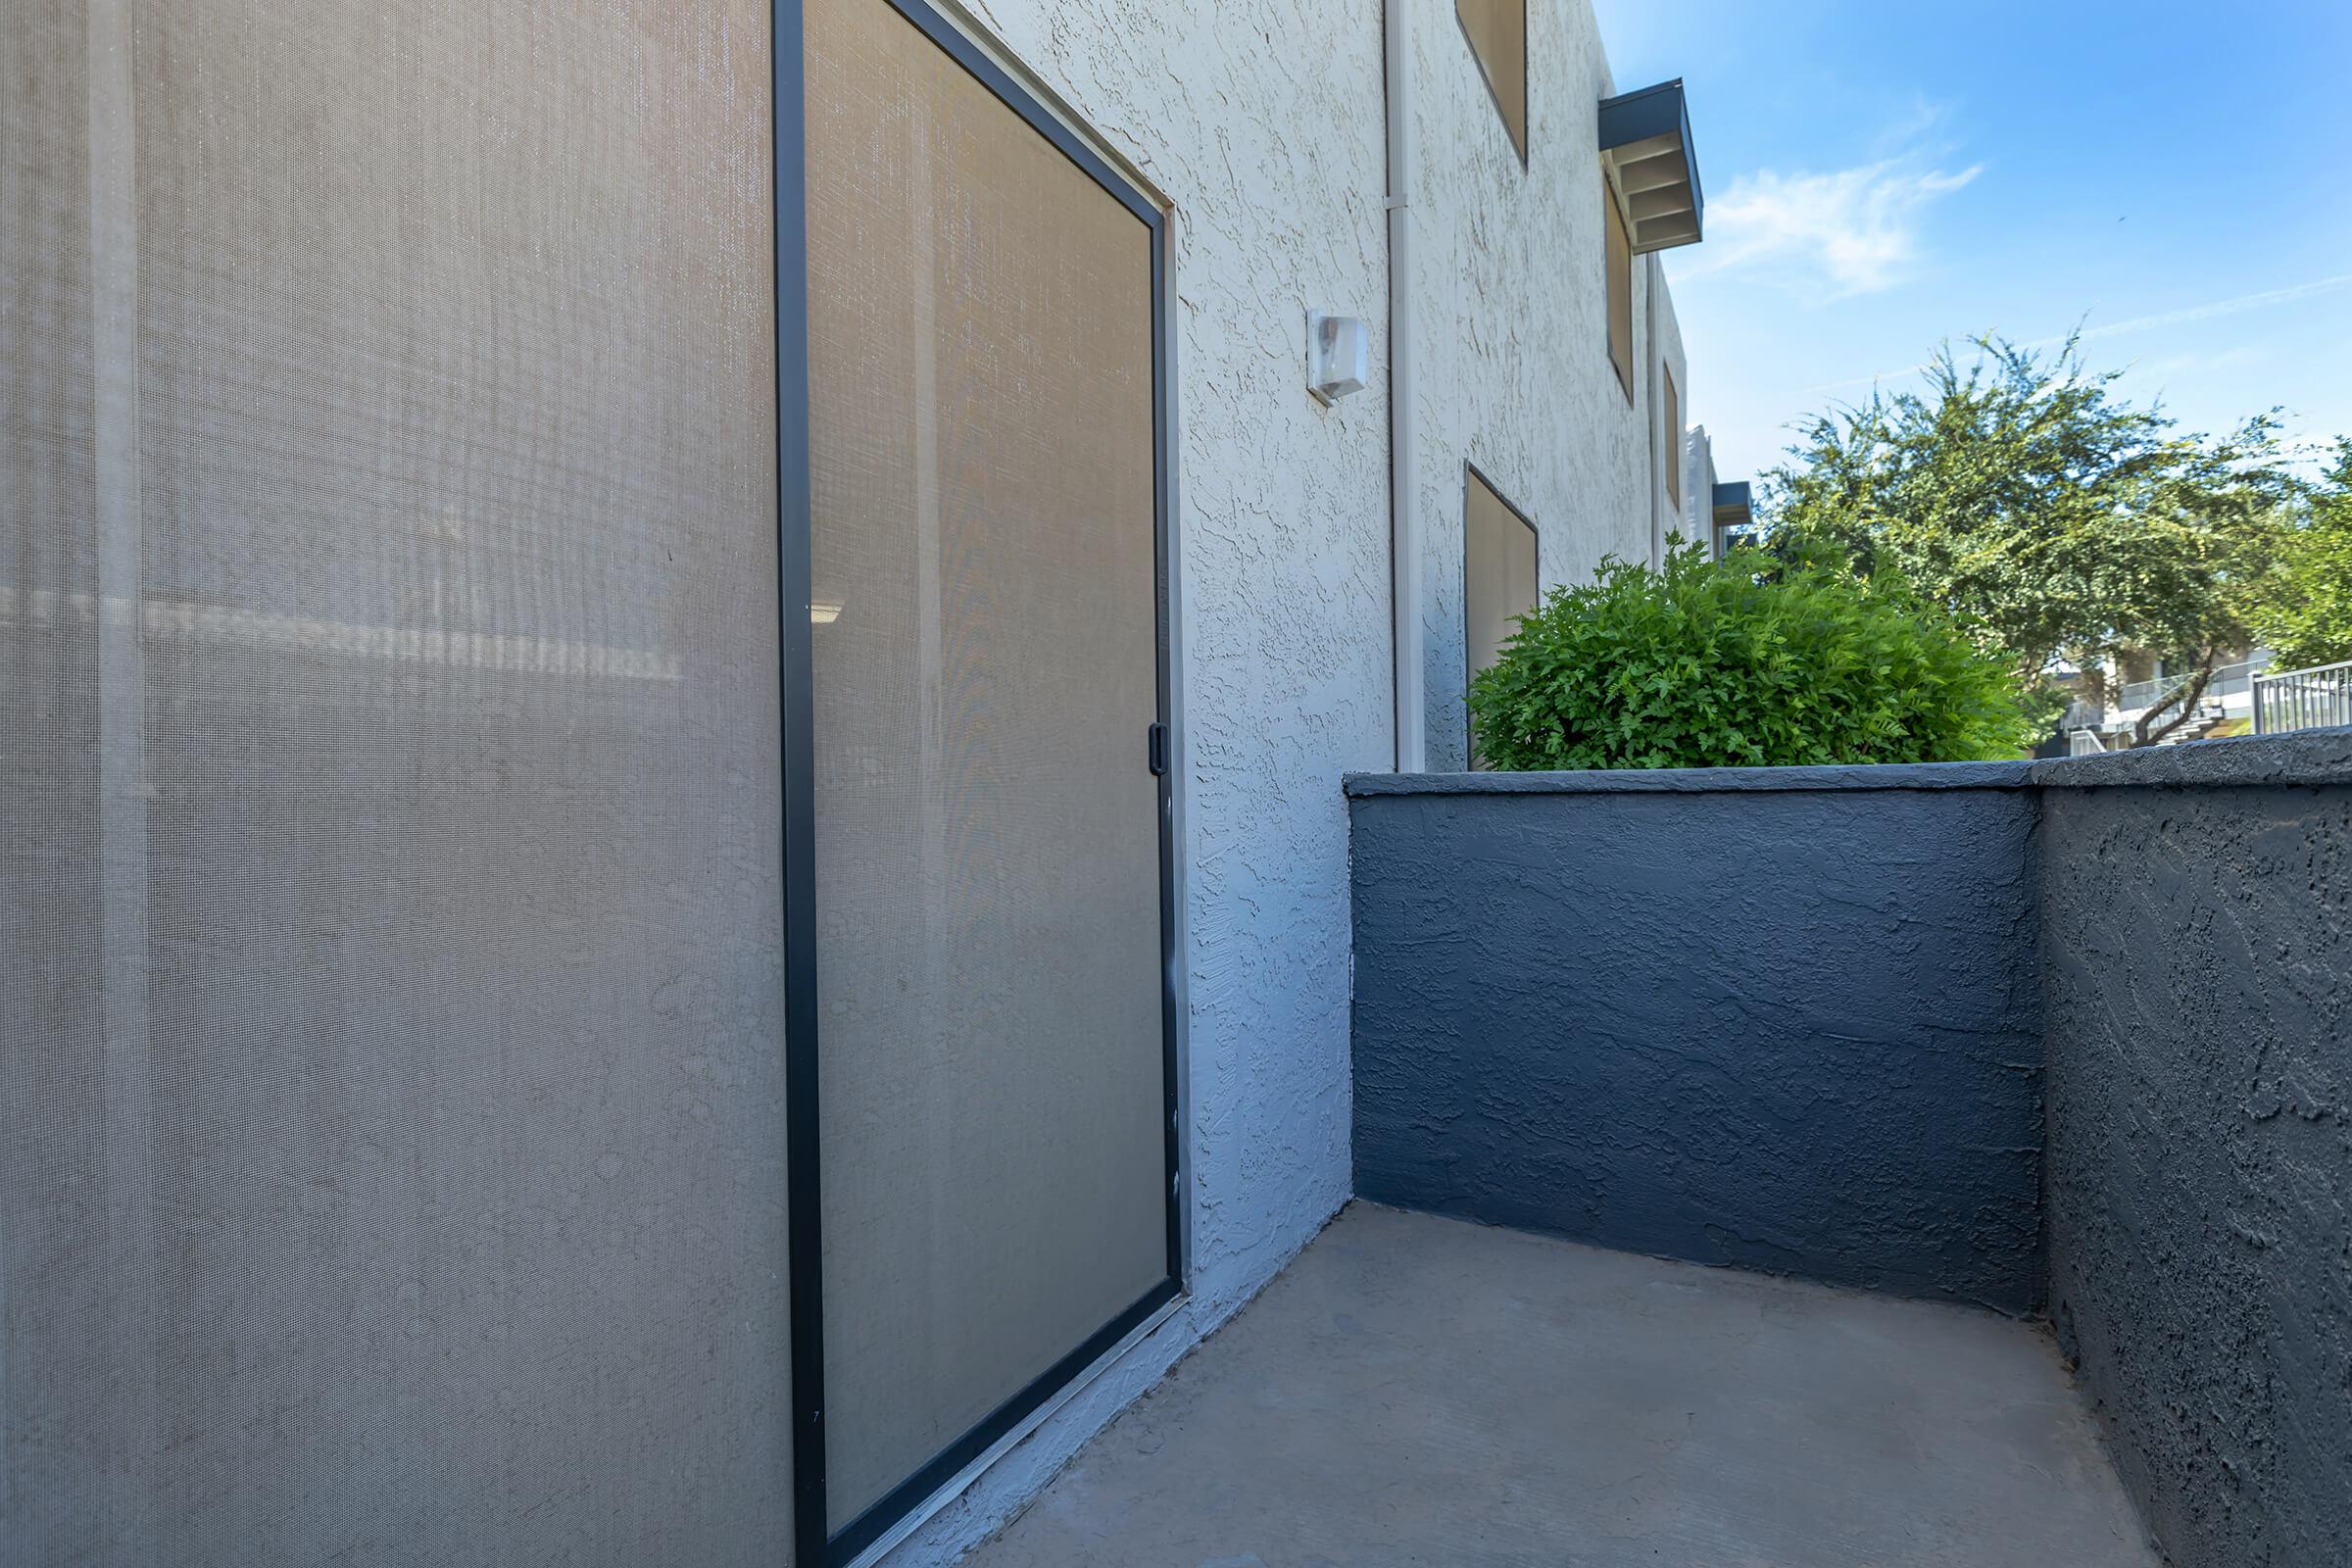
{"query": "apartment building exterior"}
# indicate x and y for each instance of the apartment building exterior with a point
(676, 678)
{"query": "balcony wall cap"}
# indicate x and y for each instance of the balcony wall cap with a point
(2306, 758)
(1701, 780)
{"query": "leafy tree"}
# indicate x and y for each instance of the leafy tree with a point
(1750, 660)
(2024, 492)
(2305, 612)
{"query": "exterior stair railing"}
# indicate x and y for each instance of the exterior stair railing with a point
(2303, 699)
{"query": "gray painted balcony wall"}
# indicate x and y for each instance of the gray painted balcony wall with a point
(1806, 1020)
(2197, 949)
(1740, 1025)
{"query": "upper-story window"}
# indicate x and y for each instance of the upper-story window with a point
(1674, 436)
(1621, 289)
(1498, 34)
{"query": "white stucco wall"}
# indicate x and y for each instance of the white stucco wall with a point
(1262, 121)
(1510, 327)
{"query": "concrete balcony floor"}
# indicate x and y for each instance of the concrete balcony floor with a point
(1421, 1391)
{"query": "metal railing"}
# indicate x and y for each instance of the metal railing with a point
(2303, 699)
(2228, 681)
(2081, 714)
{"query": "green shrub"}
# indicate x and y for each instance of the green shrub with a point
(1749, 662)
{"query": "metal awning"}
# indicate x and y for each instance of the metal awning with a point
(1646, 138)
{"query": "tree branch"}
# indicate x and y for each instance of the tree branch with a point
(2185, 694)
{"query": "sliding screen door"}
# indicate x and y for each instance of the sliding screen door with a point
(984, 577)
(391, 1079)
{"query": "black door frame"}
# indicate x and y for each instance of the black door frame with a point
(814, 1546)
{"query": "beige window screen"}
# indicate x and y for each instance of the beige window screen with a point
(1674, 436)
(989, 958)
(1620, 266)
(1498, 574)
(1498, 34)
(391, 1098)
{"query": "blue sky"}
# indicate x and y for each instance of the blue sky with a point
(1879, 178)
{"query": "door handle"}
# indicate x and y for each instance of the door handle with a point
(1155, 750)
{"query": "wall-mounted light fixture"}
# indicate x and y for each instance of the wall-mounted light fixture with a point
(1646, 138)
(1339, 354)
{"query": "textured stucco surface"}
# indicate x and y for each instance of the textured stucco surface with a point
(1510, 327)
(1792, 1030)
(2198, 951)
(2316, 757)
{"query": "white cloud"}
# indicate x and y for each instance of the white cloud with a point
(2207, 311)
(1850, 231)
(2171, 365)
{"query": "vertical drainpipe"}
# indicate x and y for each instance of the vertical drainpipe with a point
(1405, 525)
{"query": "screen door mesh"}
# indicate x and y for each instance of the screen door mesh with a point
(988, 971)
(391, 1106)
